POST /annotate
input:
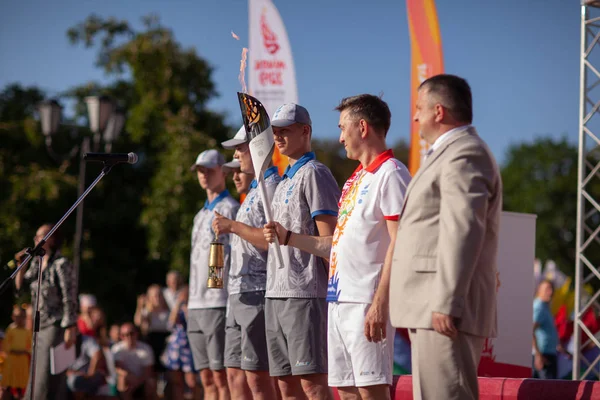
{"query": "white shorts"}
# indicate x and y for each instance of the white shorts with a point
(353, 360)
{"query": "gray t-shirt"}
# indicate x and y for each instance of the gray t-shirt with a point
(202, 234)
(248, 271)
(306, 190)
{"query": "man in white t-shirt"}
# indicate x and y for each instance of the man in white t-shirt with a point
(133, 361)
(360, 337)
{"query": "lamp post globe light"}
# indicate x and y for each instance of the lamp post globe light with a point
(50, 113)
(100, 108)
(113, 129)
(106, 122)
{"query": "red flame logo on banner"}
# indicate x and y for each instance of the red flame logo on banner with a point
(269, 38)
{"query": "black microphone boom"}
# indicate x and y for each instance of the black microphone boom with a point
(111, 158)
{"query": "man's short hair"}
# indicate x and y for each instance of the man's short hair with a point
(453, 93)
(370, 108)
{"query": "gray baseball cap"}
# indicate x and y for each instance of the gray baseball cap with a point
(209, 159)
(290, 113)
(239, 138)
(230, 166)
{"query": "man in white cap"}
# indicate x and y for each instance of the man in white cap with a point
(305, 202)
(206, 306)
(241, 180)
(246, 356)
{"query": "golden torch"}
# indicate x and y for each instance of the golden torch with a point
(216, 262)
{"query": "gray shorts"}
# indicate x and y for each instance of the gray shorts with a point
(296, 336)
(245, 338)
(206, 334)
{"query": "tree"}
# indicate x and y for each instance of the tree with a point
(168, 121)
(138, 219)
(33, 188)
(541, 178)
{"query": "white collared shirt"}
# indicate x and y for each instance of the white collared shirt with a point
(444, 137)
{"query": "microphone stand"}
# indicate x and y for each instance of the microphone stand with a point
(39, 252)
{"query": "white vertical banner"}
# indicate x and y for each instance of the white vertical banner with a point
(271, 73)
(509, 354)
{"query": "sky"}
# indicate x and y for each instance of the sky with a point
(521, 58)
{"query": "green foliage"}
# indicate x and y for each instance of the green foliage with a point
(541, 178)
(137, 221)
(32, 185)
(168, 123)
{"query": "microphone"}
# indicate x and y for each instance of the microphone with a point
(111, 158)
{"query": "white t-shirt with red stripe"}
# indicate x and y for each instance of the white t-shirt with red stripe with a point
(370, 197)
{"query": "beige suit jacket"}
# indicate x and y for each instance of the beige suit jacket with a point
(447, 243)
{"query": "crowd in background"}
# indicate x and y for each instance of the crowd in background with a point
(146, 358)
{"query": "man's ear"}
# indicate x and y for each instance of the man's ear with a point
(440, 112)
(364, 128)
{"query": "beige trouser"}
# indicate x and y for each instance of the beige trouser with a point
(444, 368)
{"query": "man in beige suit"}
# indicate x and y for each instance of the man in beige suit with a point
(443, 282)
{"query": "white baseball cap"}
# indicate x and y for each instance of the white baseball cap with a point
(209, 159)
(239, 138)
(88, 300)
(230, 166)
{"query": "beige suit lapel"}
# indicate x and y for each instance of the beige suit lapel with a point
(434, 156)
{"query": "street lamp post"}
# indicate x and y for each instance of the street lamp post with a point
(106, 122)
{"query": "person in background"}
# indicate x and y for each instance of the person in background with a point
(113, 334)
(546, 344)
(100, 328)
(29, 316)
(89, 371)
(84, 322)
(17, 345)
(152, 318)
(178, 356)
(134, 361)
(58, 309)
(171, 292)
